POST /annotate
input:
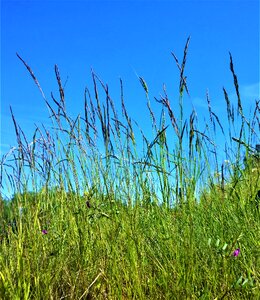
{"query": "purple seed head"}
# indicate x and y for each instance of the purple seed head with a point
(236, 252)
(44, 231)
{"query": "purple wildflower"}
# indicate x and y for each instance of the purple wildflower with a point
(44, 231)
(236, 252)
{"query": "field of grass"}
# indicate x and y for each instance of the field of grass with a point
(93, 217)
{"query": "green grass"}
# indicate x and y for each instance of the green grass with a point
(163, 224)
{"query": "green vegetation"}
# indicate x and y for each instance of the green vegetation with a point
(101, 221)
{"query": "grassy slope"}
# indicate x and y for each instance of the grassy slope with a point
(117, 252)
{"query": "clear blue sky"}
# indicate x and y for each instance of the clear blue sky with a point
(116, 38)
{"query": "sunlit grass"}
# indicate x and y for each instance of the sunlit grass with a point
(131, 220)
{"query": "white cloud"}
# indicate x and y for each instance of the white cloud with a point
(200, 103)
(250, 91)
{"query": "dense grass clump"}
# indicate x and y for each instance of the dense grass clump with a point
(92, 220)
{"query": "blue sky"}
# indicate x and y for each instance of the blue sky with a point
(117, 39)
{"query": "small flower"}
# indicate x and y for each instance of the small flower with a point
(44, 231)
(236, 252)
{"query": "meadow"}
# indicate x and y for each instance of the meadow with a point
(93, 217)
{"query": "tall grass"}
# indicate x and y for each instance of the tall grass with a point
(99, 211)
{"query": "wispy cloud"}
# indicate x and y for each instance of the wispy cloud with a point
(250, 91)
(4, 147)
(199, 102)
